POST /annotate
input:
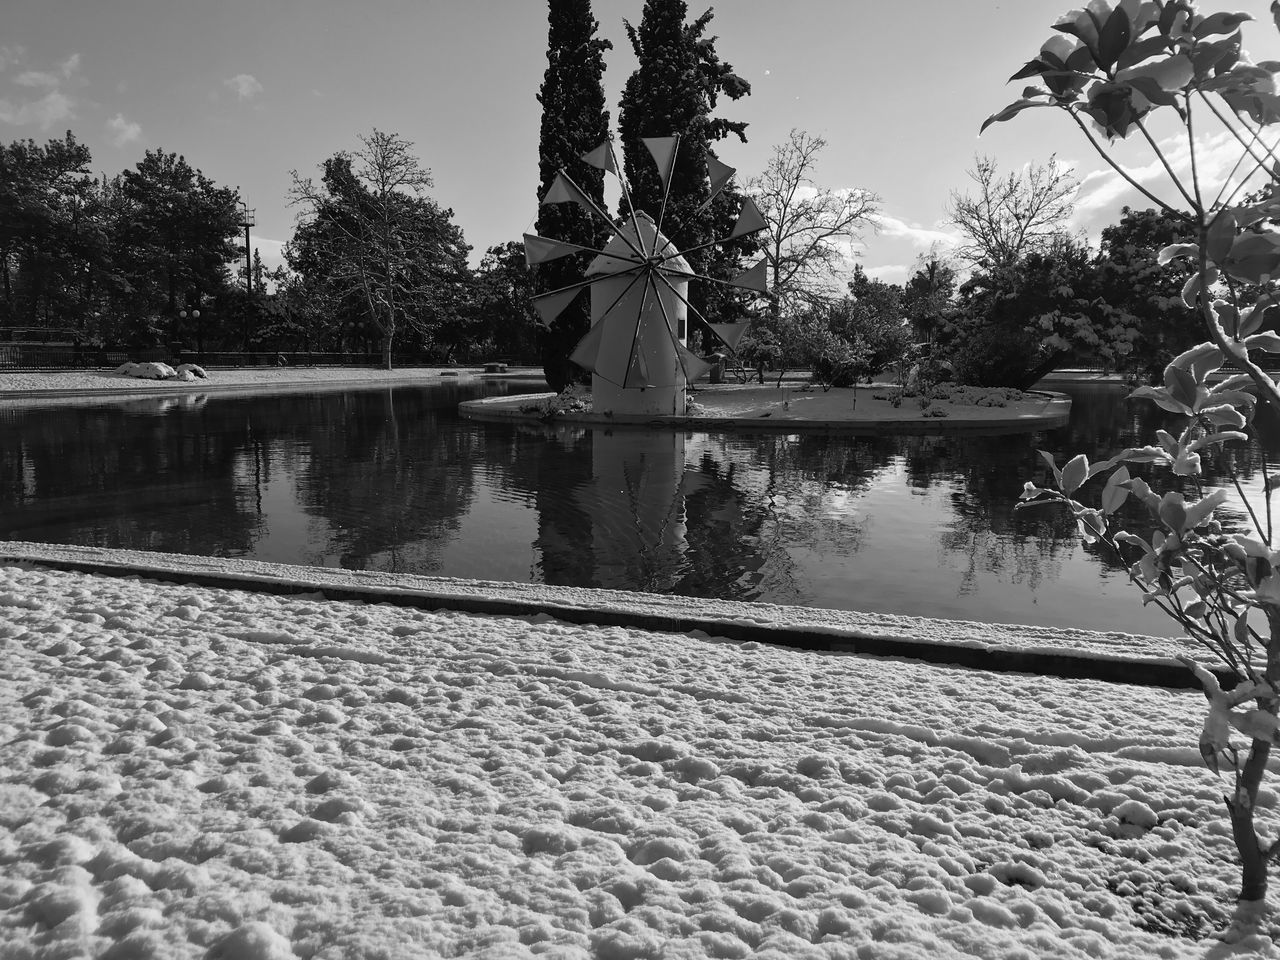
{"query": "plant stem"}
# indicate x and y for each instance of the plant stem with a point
(1182, 214)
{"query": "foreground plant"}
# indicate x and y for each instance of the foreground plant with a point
(1112, 68)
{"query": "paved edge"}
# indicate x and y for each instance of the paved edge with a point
(508, 409)
(1139, 671)
(165, 388)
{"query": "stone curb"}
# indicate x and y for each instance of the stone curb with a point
(1140, 671)
(508, 409)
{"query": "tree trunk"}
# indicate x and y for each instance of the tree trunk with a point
(386, 353)
(1253, 861)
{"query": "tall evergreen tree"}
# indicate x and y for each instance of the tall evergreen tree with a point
(574, 122)
(674, 90)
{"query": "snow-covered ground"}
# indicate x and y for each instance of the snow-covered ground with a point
(205, 773)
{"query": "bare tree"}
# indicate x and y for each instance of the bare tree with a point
(1012, 216)
(810, 228)
(373, 237)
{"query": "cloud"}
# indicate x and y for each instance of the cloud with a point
(45, 111)
(889, 273)
(123, 131)
(11, 55)
(52, 108)
(923, 238)
(1104, 192)
(245, 85)
(46, 78)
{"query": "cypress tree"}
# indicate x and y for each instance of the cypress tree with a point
(574, 121)
(674, 90)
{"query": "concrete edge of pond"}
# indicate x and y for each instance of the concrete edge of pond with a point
(1056, 412)
(124, 389)
(1000, 648)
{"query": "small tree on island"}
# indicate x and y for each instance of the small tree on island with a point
(1109, 69)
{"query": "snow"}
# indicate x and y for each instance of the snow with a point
(198, 772)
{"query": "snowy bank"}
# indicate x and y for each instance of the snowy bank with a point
(189, 772)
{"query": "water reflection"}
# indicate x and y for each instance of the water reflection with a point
(391, 479)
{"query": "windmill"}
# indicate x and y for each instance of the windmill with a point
(636, 348)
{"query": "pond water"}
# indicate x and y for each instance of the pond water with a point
(392, 479)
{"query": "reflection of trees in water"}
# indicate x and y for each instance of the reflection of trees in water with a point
(391, 482)
(156, 474)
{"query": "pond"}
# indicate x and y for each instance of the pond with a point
(392, 479)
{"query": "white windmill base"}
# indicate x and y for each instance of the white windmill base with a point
(609, 398)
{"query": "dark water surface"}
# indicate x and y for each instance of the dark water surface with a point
(391, 479)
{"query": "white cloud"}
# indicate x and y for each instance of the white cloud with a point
(923, 238)
(11, 55)
(1104, 192)
(123, 131)
(52, 108)
(46, 78)
(245, 85)
(889, 273)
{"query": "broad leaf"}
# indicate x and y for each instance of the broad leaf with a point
(1176, 250)
(1053, 465)
(1033, 68)
(1113, 38)
(1202, 509)
(1162, 398)
(1270, 342)
(1173, 512)
(1113, 494)
(1144, 455)
(1224, 416)
(1170, 74)
(1201, 360)
(1222, 436)
(1012, 110)
(1142, 50)
(1221, 234)
(1181, 385)
(1218, 23)
(1074, 473)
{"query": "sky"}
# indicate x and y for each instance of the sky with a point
(248, 92)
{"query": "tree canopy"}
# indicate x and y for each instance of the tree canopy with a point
(574, 122)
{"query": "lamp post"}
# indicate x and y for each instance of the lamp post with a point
(194, 314)
(247, 220)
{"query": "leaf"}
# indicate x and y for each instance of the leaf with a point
(1269, 342)
(1202, 509)
(1134, 540)
(1113, 494)
(1191, 290)
(1162, 398)
(1221, 234)
(1177, 250)
(1012, 110)
(1221, 437)
(1032, 68)
(1219, 23)
(1224, 416)
(1144, 455)
(1053, 465)
(1140, 51)
(1173, 513)
(1200, 360)
(1197, 610)
(1255, 256)
(1113, 38)
(1181, 385)
(1074, 473)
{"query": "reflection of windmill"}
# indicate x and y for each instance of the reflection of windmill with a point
(636, 348)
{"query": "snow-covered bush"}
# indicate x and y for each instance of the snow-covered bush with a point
(1109, 68)
(197, 372)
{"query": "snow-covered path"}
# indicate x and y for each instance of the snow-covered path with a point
(192, 772)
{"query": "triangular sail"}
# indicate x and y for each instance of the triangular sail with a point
(720, 174)
(551, 305)
(729, 333)
(663, 150)
(750, 220)
(541, 249)
(602, 158)
(756, 279)
(564, 190)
